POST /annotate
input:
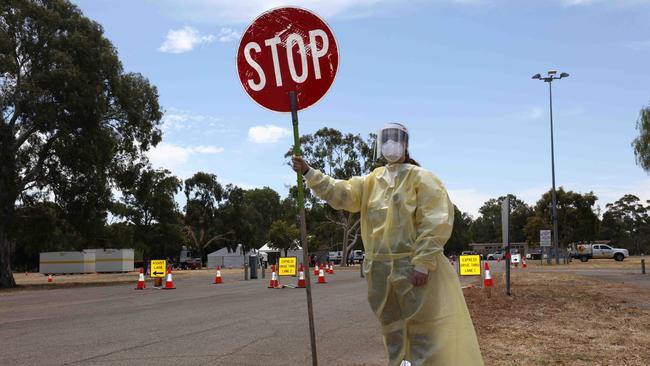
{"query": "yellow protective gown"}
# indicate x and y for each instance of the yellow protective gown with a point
(406, 219)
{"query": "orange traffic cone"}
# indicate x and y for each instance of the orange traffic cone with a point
(274, 283)
(523, 263)
(169, 283)
(487, 282)
(217, 278)
(331, 269)
(49, 278)
(301, 277)
(321, 276)
(141, 284)
(316, 269)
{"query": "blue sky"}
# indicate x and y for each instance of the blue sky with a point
(457, 73)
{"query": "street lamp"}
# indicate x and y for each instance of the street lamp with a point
(551, 75)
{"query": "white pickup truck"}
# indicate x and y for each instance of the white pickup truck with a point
(585, 252)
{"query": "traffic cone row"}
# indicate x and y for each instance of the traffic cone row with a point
(321, 276)
(487, 281)
(274, 283)
(141, 284)
(169, 282)
(217, 277)
(301, 277)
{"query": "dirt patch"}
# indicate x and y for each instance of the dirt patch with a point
(562, 319)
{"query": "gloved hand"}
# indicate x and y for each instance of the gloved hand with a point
(418, 278)
(299, 165)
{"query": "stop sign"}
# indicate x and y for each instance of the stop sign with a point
(287, 49)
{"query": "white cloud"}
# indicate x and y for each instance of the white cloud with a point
(577, 2)
(228, 35)
(637, 45)
(171, 156)
(533, 113)
(184, 40)
(244, 11)
(268, 134)
(177, 120)
(569, 3)
(469, 200)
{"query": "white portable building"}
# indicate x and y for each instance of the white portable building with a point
(227, 259)
(113, 260)
(67, 262)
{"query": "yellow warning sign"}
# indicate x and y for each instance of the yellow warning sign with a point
(470, 265)
(287, 266)
(158, 268)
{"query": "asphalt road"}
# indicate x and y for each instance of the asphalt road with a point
(199, 323)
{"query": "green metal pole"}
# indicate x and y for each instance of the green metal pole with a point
(303, 229)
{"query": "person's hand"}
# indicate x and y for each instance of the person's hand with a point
(418, 278)
(299, 165)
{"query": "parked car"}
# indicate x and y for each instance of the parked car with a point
(335, 257)
(534, 254)
(585, 252)
(357, 256)
(495, 256)
(471, 252)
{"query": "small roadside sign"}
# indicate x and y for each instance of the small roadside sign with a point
(287, 266)
(505, 220)
(545, 238)
(158, 268)
(470, 265)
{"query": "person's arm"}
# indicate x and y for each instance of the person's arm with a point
(434, 220)
(340, 194)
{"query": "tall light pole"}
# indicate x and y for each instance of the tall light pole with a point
(551, 75)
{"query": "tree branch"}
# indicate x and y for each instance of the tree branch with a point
(38, 167)
(24, 136)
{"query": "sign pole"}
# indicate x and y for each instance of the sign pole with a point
(505, 222)
(303, 229)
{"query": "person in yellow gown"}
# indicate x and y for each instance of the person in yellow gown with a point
(406, 219)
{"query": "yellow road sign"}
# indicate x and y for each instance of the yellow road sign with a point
(158, 268)
(287, 266)
(470, 265)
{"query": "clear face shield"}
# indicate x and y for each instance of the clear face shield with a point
(391, 142)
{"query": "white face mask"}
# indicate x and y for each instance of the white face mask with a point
(392, 151)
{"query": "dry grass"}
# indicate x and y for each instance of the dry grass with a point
(562, 319)
(629, 263)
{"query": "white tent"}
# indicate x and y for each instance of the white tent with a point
(268, 248)
(226, 259)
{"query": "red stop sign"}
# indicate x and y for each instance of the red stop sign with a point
(287, 49)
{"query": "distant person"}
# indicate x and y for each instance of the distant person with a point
(406, 219)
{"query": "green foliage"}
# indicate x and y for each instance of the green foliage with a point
(577, 221)
(284, 236)
(461, 234)
(641, 144)
(627, 223)
(203, 224)
(70, 119)
(487, 227)
(150, 212)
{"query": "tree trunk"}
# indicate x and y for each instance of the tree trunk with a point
(344, 248)
(6, 276)
(8, 194)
